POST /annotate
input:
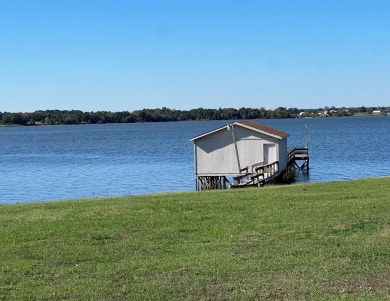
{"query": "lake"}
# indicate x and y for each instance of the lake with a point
(46, 163)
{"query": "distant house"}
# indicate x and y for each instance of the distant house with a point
(230, 149)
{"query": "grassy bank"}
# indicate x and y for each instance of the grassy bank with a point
(325, 241)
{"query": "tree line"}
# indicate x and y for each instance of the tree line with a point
(52, 117)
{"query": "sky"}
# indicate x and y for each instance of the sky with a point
(126, 55)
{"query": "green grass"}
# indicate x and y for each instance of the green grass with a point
(323, 241)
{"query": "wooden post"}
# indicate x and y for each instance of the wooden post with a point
(235, 146)
(307, 136)
(307, 148)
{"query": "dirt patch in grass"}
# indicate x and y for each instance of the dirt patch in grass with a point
(363, 284)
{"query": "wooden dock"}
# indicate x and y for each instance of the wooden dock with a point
(261, 174)
(299, 157)
(256, 175)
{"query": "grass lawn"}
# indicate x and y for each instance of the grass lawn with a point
(320, 241)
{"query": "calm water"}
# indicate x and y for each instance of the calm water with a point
(78, 161)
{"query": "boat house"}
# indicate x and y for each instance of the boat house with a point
(242, 153)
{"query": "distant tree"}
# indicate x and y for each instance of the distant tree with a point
(280, 112)
(6, 118)
(294, 112)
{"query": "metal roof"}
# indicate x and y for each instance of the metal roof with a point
(265, 129)
(252, 126)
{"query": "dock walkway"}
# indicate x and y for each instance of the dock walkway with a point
(298, 154)
(260, 174)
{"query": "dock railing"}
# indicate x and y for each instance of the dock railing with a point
(257, 174)
(297, 153)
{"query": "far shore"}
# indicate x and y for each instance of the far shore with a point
(37, 123)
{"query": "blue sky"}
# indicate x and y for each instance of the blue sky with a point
(120, 55)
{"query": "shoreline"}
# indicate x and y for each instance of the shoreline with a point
(169, 193)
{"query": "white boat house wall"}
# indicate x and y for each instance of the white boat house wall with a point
(246, 151)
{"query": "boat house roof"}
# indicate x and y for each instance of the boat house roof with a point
(252, 126)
